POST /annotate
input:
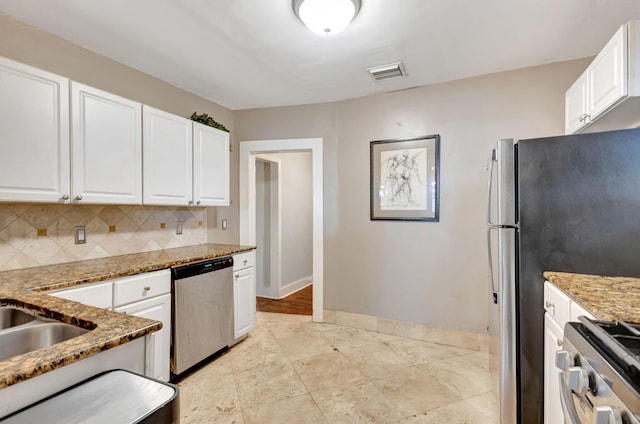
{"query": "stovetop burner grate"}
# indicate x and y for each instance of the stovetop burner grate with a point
(620, 341)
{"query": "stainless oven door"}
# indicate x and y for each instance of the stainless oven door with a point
(576, 408)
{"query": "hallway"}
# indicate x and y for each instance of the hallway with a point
(298, 303)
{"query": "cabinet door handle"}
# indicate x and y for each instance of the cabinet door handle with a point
(549, 306)
(237, 276)
(198, 202)
(581, 118)
(559, 342)
(79, 197)
(245, 261)
(65, 197)
(147, 288)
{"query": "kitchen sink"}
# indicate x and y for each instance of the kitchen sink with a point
(11, 317)
(22, 333)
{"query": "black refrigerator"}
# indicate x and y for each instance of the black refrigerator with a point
(567, 203)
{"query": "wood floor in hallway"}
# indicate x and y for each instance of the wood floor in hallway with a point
(299, 303)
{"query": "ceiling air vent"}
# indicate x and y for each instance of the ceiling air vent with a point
(385, 72)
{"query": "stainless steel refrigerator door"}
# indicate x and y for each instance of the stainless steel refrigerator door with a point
(501, 245)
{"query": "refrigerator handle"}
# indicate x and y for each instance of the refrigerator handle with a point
(490, 225)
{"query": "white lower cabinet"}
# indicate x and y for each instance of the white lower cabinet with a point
(559, 309)
(158, 343)
(244, 293)
(146, 295)
(553, 335)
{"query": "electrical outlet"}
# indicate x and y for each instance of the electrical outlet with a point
(179, 227)
(80, 235)
(224, 224)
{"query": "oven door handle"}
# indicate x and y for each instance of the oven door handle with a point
(568, 408)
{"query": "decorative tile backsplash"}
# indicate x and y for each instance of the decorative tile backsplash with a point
(43, 234)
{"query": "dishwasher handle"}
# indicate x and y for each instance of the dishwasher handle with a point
(202, 267)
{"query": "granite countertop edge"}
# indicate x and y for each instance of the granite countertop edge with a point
(26, 289)
(607, 298)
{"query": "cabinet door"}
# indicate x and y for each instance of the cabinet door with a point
(210, 166)
(157, 353)
(34, 117)
(575, 105)
(168, 175)
(552, 343)
(107, 147)
(608, 75)
(244, 301)
(99, 294)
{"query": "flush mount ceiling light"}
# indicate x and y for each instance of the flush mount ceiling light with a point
(326, 17)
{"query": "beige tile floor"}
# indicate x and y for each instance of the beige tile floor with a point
(290, 370)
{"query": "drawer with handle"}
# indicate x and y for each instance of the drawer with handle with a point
(556, 303)
(142, 286)
(244, 260)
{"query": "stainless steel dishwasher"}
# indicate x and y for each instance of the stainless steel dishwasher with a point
(202, 313)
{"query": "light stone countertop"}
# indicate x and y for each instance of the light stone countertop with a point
(607, 298)
(26, 289)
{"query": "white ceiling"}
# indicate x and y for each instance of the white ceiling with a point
(255, 53)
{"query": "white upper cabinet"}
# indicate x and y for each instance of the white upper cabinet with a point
(210, 166)
(107, 147)
(607, 95)
(185, 163)
(168, 156)
(607, 75)
(66, 142)
(34, 118)
(575, 100)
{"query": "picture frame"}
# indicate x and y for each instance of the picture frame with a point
(405, 179)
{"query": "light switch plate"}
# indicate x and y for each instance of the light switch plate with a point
(80, 235)
(179, 227)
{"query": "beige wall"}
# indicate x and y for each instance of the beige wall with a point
(427, 273)
(297, 216)
(29, 45)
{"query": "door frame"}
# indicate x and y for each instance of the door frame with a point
(247, 204)
(275, 266)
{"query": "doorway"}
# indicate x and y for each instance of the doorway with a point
(250, 151)
(268, 226)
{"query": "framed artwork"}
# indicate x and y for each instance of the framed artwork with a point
(405, 179)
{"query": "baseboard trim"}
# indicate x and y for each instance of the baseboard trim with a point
(296, 286)
(464, 339)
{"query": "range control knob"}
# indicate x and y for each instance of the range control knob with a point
(564, 360)
(578, 380)
(607, 415)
